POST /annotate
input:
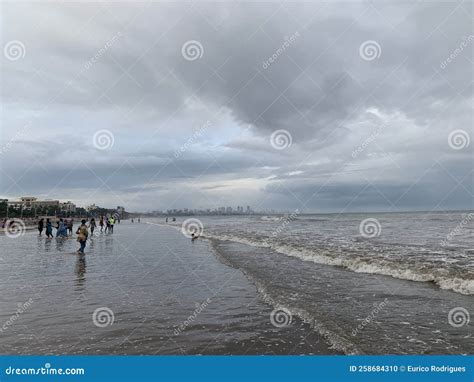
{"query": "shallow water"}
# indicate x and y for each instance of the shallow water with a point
(357, 313)
(400, 292)
(437, 247)
(150, 287)
(391, 293)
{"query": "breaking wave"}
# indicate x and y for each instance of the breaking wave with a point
(463, 284)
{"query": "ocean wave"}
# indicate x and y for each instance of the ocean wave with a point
(329, 334)
(327, 330)
(270, 218)
(356, 263)
(359, 264)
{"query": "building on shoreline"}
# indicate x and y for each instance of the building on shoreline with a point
(67, 206)
(29, 202)
(31, 207)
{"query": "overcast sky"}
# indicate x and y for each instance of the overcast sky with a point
(159, 105)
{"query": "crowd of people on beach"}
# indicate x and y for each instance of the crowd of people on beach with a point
(65, 227)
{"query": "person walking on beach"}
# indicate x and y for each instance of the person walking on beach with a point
(49, 229)
(40, 226)
(101, 223)
(61, 230)
(82, 235)
(107, 223)
(92, 225)
(111, 224)
(70, 226)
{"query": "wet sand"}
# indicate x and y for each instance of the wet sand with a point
(142, 290)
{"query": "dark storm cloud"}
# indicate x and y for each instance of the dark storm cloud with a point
(264, 67)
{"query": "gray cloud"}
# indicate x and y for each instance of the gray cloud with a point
(120, 67)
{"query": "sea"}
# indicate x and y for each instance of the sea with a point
(395, 283)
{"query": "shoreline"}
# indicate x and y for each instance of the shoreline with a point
(313, 291)
(258, 301)
(149, 293)
(339, 344)
(456, 285)
(334, 344)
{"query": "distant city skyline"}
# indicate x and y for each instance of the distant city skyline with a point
(64, 203)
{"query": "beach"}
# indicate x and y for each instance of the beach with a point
(153, 291)
(294, 284)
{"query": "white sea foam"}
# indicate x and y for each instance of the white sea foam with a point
(367, 265)
(270, 218)
(336, 341)
(357, 264)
